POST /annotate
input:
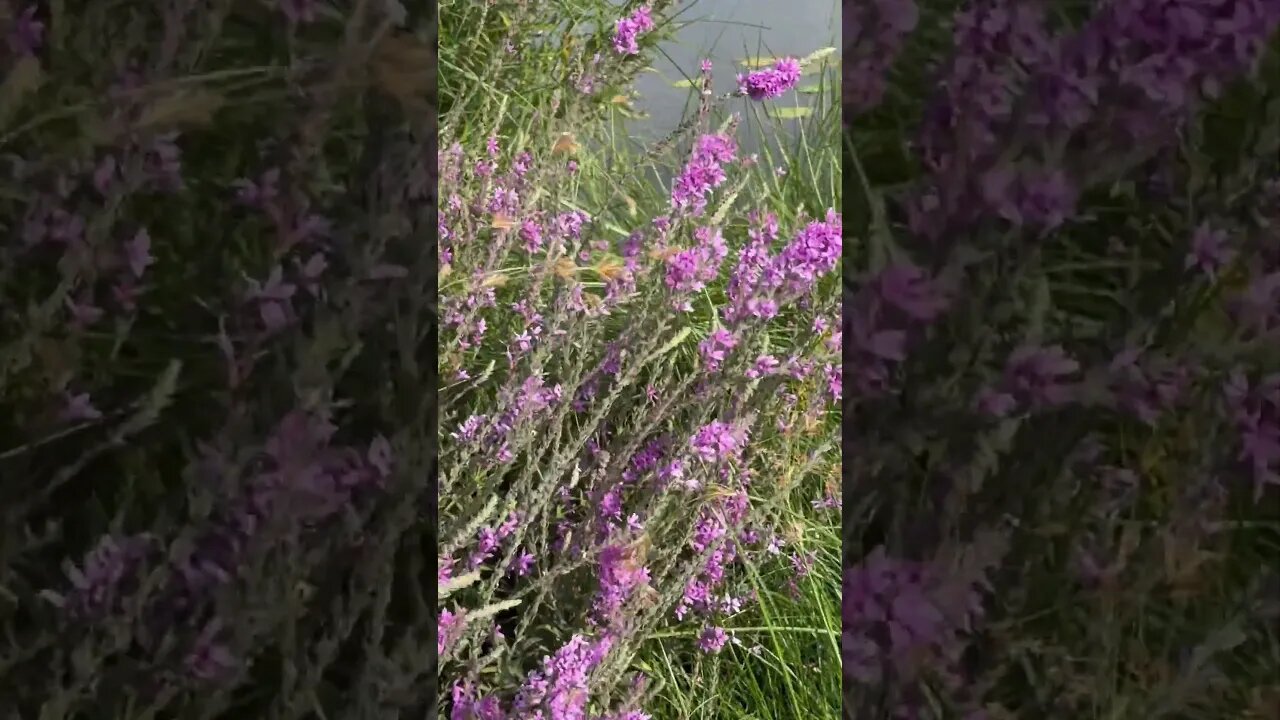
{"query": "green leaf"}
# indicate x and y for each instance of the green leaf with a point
(452, 585)
(818, 67)
(23, 79)
(791, 113)
(817, 55)
(157, 400)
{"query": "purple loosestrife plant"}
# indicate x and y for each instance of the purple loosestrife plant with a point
(630, 28)
(703, 173)
(873, 34)
(630, 437)
(208, 339)
(1062, 319)
(772, 82)
(108, 574)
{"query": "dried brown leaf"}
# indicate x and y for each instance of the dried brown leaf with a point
(565, 268)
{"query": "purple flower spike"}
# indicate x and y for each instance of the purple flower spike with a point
(210, 659)
(1209, 251)
(104, 576)
(772, 82)
(712, 640)
(630, 28)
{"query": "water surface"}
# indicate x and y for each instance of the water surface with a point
(726, 32)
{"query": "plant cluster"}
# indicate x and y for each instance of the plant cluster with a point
(216, 307)
(611, 383)
(1061, 443)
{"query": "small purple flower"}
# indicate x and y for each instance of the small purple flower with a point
(629, 29)
(873, 34)
(1143, 387)
(690, 270)
(718, 441)
(78, 407)
(444, 569)
(995, 404)
(703, 173)
(1048, 200)
(764, 365)
(813, 253)
(1033, 378)
(449, 628)
(560, 689)
(1209, 251)
(772, 82)
(834, 379)
(105, 575)
(569, 224)
(210, 659)
(524, 563)
(907, 288)
(138, 253)
(273, 299)
(712, 640)
(1040, 199)
(531, 234)
(889, 612)
(1256, 412)
(716, 347)
(620, 576)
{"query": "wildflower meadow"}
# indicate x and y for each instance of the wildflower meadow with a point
(1061, 443)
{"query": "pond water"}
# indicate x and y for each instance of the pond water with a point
(728, 31)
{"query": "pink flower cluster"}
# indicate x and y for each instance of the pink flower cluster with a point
(703, 173)
(771, 82)
(718, 441)
(629, 29)
(762, 282)
(1034, 377)
(689, 270)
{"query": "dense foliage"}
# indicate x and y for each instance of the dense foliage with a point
(1062, 437)
(632, 389)
(216, 326)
